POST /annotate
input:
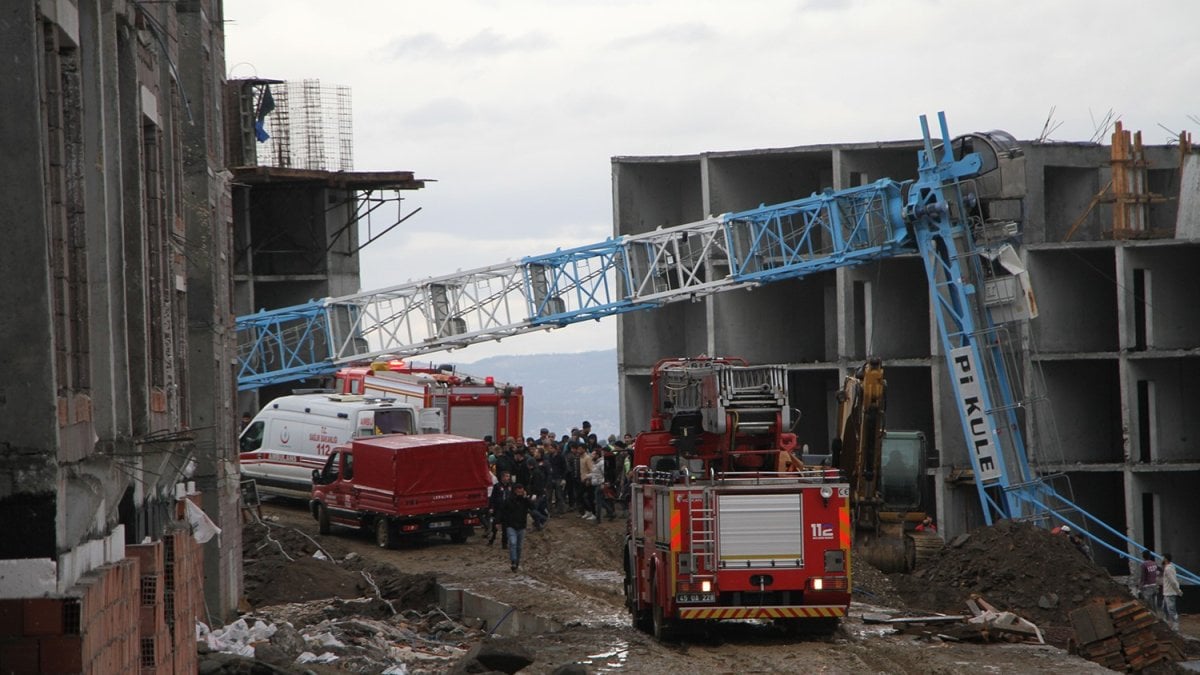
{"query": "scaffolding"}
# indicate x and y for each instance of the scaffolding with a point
(310, 127)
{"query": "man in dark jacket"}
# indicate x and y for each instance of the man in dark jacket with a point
(515, 515)
(537, 495)
(500, 493)
(556, 478)
(522, 467)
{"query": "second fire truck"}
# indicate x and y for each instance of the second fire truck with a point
(725, 521)
(471, 406)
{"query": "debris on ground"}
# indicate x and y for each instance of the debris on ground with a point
(504, 655)
(1124, 635)
(353, 637)
(985, 623)
(313, 603)
(1003, 624)
(1018, 566)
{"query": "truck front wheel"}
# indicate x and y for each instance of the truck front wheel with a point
(385, 533)
(322, 519)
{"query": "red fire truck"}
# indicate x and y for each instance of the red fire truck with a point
(725, 521)
(471, 406)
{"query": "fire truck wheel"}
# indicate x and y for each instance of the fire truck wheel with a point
(460, 536)
(322, 519)
(384, 533)
(659, 624)
(641, 618)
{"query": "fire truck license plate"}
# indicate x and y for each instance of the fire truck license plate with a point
(695, 597)
(438, 524)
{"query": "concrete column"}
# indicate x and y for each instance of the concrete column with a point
(28, 397)
(210, 338)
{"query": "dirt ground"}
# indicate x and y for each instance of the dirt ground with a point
(571, 575)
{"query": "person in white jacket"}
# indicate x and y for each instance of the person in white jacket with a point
(1170, 592)
(596, 479)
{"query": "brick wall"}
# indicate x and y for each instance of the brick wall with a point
(137, 615)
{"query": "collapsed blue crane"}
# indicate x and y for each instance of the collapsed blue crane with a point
(934, 217)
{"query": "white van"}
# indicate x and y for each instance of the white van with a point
(293, 435)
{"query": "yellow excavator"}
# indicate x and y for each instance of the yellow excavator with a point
(885, 469)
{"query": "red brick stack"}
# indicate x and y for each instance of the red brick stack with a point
(156, 655)
(184, 595)
(136, 615)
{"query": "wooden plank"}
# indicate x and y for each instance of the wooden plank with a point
(1139, 625)
(940, 618)
(1123, 609)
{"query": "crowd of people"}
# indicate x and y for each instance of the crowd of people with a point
(549, 476)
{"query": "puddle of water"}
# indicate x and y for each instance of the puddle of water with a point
(605, 576)
(609, 661)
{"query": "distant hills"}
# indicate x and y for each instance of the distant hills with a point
(561, 390)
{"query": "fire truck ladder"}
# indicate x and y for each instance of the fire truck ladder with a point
(702, 540)
(753, 396)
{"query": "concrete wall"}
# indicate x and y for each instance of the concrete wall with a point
(118, 352)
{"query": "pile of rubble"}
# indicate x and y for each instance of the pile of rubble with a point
(315, 608)
(354, 635)
(1018, 567)
(985, 623)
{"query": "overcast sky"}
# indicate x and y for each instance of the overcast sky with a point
(515, 107)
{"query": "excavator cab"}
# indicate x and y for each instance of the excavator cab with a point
(903, 454)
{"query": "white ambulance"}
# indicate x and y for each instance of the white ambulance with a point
(293, 435)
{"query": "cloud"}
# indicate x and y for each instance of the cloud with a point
(677, 33)
(485, 43)
(439, 112)
(824, 5)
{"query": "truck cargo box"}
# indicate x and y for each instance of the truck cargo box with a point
(403, 485)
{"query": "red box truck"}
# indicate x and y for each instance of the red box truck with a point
(404, 485)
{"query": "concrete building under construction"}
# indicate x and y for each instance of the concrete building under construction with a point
(149, 203)
(301, 213)
(1110, 364)
(116, 411)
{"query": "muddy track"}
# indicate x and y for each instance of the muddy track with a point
(571, 573)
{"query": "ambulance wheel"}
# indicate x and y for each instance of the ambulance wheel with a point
(322, 519)
(658, 623)
(459, 536)
(385, 533)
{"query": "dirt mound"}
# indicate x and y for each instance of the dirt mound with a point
(284, 565)
(872, 586)
(1016, 567)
